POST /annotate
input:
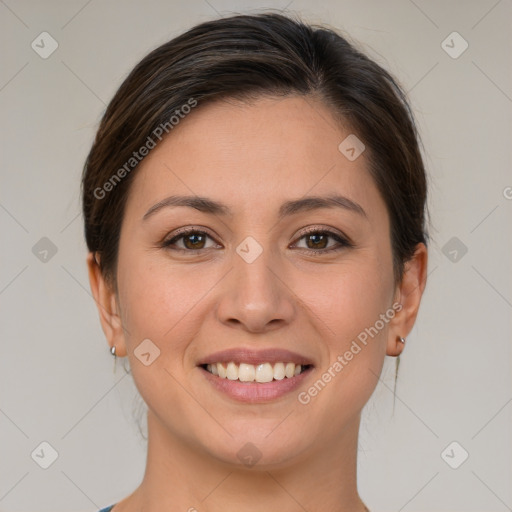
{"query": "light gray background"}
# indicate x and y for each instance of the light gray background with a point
(56, 372)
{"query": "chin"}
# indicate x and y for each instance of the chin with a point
(252, 449)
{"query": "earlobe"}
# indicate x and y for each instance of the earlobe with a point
(409, 294)
(105, 299)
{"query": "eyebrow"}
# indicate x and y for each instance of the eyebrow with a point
(308, 203)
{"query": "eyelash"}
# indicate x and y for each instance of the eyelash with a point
(343, 242)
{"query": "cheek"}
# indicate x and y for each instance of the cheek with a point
(162, 301)
(349, 307)
(157, 305)
(349, 298)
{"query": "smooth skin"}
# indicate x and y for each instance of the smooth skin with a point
(253, 157)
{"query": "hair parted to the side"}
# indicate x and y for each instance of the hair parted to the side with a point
(244, 57)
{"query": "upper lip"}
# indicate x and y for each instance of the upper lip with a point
(250, 356)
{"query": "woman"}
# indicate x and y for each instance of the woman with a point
(254, 206)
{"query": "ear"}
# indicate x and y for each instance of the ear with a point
(106, 302)
(408, 294)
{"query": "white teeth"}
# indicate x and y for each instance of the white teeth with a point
(232, 371)
(264, 372)
(246, 372)
(221, 370)
(279, 371)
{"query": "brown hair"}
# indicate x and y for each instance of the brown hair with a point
(247, 56)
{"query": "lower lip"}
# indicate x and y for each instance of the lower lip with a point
(254, 392)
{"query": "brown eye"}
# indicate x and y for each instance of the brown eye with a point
(192, 240)
(318, 241)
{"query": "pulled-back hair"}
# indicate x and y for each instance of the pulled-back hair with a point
(244, 57)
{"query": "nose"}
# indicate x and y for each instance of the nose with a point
(255, 296)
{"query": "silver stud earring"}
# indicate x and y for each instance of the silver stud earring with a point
(402, 339)
(113, 352)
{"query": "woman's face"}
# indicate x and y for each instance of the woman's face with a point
(251, 280)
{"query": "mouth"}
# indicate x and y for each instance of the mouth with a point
(261, 373)
(255, 376)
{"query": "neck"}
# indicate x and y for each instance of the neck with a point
(180, 477)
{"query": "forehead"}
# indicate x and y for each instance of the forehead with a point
(248, 154)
